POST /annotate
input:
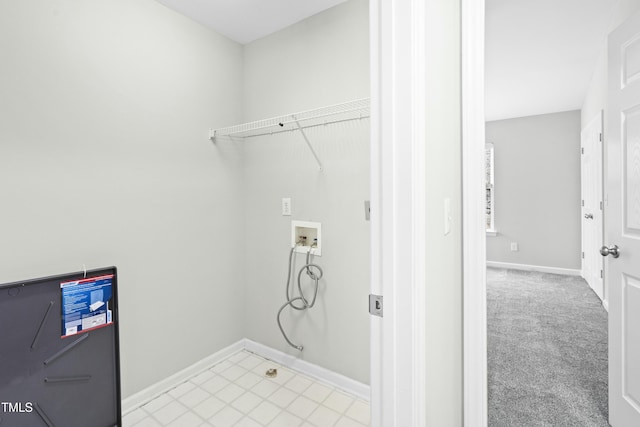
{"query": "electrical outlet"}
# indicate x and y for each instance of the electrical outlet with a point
(286, 206)
(514, 247)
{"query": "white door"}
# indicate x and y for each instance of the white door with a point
(623, 223)
(592, 227)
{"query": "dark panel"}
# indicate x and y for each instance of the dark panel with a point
(48, 380)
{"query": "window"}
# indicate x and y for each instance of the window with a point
(490, 191)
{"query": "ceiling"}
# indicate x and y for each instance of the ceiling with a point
(247, 20)
(540, 54)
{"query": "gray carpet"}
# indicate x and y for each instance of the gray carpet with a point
(547, 351)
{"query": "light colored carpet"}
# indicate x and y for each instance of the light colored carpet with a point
(547, 351)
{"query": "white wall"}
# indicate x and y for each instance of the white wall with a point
(443, 302)
(537, 190)
(320, 61)
(104, 160)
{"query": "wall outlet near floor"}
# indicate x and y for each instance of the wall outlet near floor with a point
(514, 247)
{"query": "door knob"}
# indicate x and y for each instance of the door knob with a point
(588, 216)
(614, 251)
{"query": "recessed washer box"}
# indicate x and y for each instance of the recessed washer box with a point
(310, 234)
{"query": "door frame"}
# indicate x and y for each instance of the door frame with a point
(398, 211)
(397, 340)
(475, 397)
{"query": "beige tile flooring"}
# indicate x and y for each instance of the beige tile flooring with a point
(236, 392)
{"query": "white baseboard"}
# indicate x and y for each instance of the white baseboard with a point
(302, 366)
(148, 394)
(309, 369)
(540, 268)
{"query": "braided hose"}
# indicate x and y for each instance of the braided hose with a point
(305, 303)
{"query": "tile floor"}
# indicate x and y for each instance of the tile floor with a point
(236, 392)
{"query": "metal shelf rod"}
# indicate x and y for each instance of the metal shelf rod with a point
(315, 155)
(360, 105)
(247, 130)
(277, 131)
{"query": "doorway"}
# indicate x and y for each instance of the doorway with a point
(475, 394)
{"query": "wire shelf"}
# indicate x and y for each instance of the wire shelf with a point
(346, 111)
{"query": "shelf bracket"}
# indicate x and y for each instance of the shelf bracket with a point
(304, 135)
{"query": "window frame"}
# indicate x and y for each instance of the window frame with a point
(490, 189)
